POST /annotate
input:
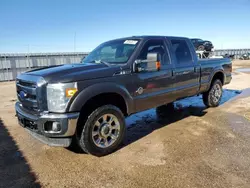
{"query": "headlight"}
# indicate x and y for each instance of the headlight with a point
(58, 96)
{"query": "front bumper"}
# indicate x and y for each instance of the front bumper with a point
(36, 125)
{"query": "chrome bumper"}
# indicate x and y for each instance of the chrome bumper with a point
(35, 123)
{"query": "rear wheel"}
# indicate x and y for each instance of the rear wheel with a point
(213, 96)
(103, 131)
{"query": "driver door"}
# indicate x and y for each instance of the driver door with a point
(154, 88)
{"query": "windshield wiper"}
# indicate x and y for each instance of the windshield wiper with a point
(100, 61)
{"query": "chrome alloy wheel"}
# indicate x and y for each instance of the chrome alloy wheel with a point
(216, 93)
(106, 130)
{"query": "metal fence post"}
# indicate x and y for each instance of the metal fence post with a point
(2, 70)
(7, 72)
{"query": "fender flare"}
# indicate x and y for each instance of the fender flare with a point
(101, 88)
(216, 70)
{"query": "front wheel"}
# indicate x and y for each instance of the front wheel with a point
(103, 131)
(212, 97)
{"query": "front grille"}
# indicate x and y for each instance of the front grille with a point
(31, 93)
(27, 84)
(27, 94)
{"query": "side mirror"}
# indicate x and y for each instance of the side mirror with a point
(151, 64)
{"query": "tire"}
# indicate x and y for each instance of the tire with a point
(201, 48)
(212, 97)
(165, 110)
(101, 126)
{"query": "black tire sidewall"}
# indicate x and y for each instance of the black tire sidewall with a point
(86, 142)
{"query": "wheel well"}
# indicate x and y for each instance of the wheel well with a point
(104, 99)
(220, 76)
(97, 101)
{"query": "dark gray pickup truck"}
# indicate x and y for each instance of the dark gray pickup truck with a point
(85, 104)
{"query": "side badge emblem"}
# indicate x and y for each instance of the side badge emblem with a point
(140, 90)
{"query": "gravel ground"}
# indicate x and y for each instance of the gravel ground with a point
(195, 147)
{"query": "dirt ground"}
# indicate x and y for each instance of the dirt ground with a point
(194, 147)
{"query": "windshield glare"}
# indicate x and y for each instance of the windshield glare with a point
(113, 52)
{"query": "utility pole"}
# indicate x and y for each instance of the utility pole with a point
(74, 47)
(5, 61)
(28, 58)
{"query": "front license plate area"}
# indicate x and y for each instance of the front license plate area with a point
(21, 119)
(26, 123)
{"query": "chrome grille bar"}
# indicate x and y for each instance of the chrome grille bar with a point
(29, 92)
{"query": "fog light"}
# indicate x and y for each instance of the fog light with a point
(56, 127)
(52, 127)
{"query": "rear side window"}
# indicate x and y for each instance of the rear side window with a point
(155, 46)
(182, 52)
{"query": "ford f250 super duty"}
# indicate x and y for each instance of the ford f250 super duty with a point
(85, 104)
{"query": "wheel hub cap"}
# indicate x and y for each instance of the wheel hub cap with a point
(106, 131)
(216, 93)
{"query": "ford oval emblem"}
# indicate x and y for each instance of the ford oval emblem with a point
(22, 94)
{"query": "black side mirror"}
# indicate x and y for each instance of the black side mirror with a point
(151, 64)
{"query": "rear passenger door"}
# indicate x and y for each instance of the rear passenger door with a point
(186, 72)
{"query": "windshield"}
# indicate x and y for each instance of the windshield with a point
(112, 52)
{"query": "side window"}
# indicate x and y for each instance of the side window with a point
(155, 46)
(182, 52)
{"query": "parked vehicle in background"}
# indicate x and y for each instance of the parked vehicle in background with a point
(85, 104)
(202, 45)
(245, 56)
(229, 56)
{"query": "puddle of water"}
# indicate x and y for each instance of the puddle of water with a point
(149, 115)
(229, 94)
(196, 101)
(243, 70)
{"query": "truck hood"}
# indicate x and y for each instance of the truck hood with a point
(73, 72)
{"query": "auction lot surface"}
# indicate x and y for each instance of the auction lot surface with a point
(193, 147)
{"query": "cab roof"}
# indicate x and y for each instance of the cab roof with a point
(151, 37)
